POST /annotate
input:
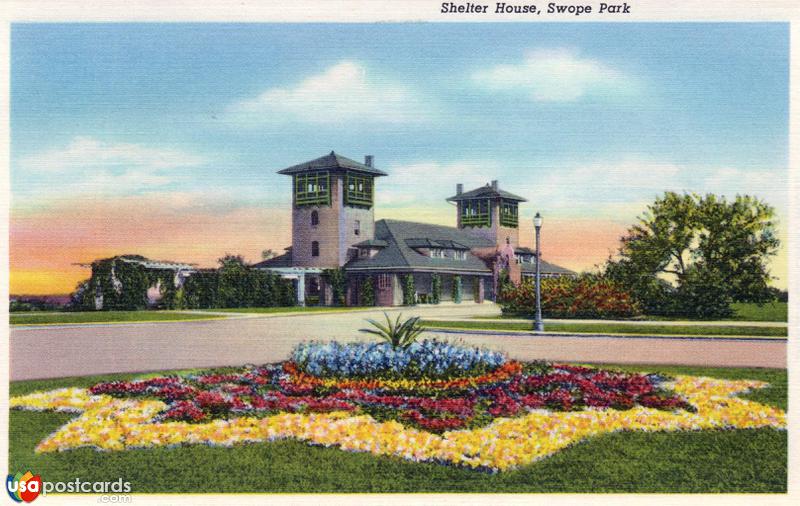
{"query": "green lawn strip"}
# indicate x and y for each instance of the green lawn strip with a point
(769, 312)
(33, 318)
(615, 328)
(704, 461)
(286, 309)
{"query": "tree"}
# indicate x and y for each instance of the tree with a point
(706, 246)
(232, 290)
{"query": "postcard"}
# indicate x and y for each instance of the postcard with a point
(419, 247)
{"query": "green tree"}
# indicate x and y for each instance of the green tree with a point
(232, 282)
(705, 245)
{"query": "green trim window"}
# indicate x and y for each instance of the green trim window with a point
(312, 188)
(476, 213)
(359, 190)
(509, 213)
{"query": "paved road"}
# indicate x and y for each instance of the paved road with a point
(60, 351)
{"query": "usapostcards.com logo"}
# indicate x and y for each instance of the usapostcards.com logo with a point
(27, 487)
(24, 487)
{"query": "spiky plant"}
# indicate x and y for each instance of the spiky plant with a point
(398, 334)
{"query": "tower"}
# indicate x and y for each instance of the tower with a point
(333, 201)
(489, 212)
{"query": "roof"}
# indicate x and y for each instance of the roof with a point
(485, 192)
(545, 268)
(331, 161)
(284, 260)
(402, 237)
(398, 254)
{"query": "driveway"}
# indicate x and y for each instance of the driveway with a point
(78, 350)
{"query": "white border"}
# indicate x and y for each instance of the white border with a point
(360, 11)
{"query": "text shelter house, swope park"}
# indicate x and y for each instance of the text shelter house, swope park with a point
(333, 226)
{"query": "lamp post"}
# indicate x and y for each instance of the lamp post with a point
(538, 324)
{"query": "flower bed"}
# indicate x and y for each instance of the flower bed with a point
(429, 359)
(108, 423)
(465, 406)
(479, 387)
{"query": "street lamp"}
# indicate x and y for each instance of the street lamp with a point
(538, 324)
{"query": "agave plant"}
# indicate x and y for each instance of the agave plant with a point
(398, 334)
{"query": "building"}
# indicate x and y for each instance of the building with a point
(333, 226)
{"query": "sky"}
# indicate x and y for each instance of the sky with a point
(164, 139)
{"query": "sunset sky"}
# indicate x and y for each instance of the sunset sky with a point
(164, 139)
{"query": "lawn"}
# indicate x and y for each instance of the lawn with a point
(616, 328)
(769, 312)
(707, 461)
(34, 318)
(286, 309)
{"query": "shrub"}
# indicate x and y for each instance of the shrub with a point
(367, 295)
(436, 289)
(409, 290)
(335, 278)
(456, 289)
(587, 296)
(703, 295)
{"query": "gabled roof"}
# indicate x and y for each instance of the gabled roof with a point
(402, 237)
(331, 161)
(486, 192)
(398, 254)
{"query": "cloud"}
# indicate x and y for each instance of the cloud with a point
(89, 165)
(343, 93)
(622, 189)
(89, 153)
(770, 185)
(556, 75)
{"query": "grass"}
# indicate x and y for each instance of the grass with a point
(769, 312)
(616, 328)
(34, 318)
(286, 309)
(707, 461)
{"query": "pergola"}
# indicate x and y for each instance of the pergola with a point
(298, 274)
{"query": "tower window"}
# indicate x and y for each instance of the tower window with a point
(508, 214)
(357, 227)
(315, 248)
(314, 218)
(359, 189)
(475, 213)
(312, 188)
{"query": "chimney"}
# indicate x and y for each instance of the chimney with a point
(459, 189)
(368, 160)
(494, 184)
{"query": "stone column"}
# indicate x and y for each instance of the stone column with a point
(301, 289)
